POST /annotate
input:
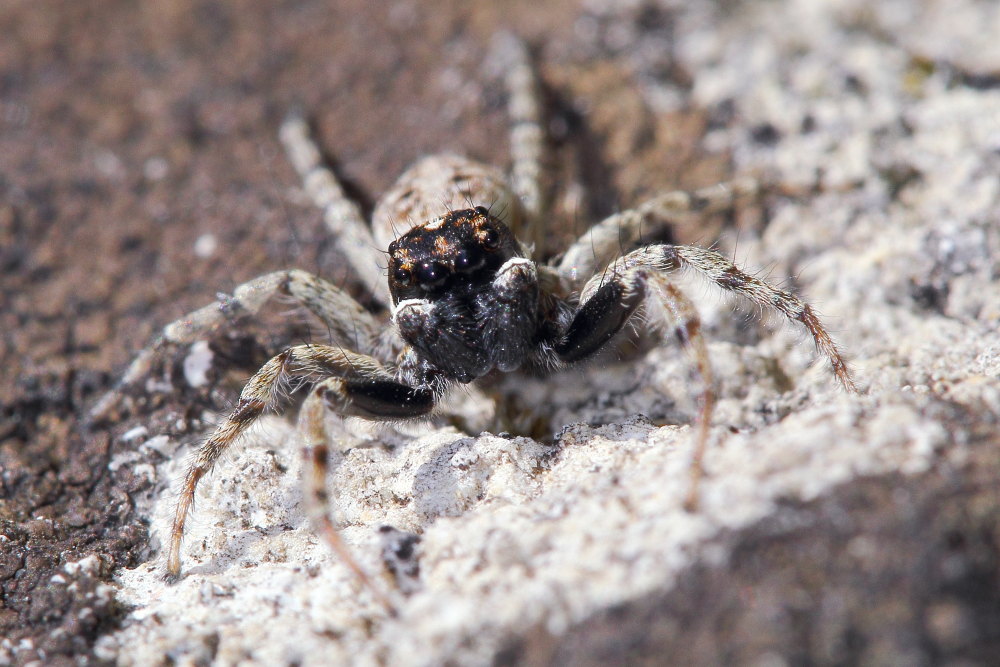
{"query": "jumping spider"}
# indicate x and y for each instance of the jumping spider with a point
(465, 298)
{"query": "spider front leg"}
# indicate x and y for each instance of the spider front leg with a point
(724, 274)
(351, 384)
(347, 322)
(609, 302)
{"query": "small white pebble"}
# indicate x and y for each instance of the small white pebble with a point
(134, 433)
(108, 163)
(197, 363)
(205, 246)
(158, 443)
(155, 168)
(89, 565)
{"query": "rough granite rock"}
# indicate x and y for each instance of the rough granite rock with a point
(832, 528)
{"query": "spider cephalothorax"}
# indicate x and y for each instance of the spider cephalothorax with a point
(465, 298)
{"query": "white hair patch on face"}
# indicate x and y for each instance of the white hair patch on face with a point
(407, 304)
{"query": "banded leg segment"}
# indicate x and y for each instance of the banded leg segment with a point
(527, 138)
(606, 240)
(317, 501)
(341, 215)
(300, 364)
(347, 322)
(375, 398)
(679, 312)
(613, 303)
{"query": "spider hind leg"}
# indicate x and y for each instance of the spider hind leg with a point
(346, 321)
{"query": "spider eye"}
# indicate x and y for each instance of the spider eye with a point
(469, 258)
(432, 274)
(402, 275)
(491, 238)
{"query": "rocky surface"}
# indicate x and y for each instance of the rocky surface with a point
(141, 174)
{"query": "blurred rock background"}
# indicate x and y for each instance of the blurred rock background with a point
(140, 174)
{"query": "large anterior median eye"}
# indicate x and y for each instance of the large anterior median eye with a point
(431, 274)
(468, 259)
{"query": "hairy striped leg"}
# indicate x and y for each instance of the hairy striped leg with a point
(384, 398)
(606, 240)
(341, 215)
(608, 301)
(366, 389)
(726, 275)
(347, 322)
(731, 278)
(680, 314)
(527, 138)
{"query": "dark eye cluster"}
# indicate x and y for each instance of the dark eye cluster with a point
(428, 274)
(429, 269)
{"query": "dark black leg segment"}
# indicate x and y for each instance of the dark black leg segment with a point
(381, 399)
(600, 318)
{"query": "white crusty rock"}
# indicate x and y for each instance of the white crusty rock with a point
(897, 248)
